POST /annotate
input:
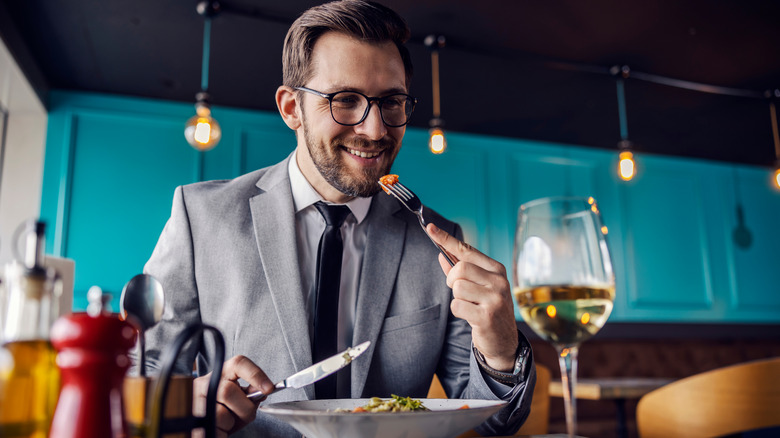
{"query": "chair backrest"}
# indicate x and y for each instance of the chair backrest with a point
(724, 401)
(436, 390)
(538, 420)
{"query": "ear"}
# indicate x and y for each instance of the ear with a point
(287, 103)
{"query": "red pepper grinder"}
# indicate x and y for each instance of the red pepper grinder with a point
(92, 356)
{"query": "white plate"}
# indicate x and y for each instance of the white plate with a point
(315, 419)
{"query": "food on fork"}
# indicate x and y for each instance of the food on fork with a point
(391, 186)
(388, 180)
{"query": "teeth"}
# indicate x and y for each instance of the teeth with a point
(363, 154)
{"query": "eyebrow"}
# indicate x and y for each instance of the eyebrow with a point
(337, 88)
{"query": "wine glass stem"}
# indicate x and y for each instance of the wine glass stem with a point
(567, 358)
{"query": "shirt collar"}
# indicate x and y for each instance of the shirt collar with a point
(304, 194)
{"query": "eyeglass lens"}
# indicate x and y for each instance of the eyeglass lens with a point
(349, 108)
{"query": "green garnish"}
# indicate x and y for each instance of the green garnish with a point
(394, 404)
(408, 403)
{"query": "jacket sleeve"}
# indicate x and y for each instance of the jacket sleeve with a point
(172, 263)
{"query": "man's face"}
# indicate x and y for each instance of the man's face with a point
(351, 158)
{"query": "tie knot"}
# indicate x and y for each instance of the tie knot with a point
(334, 214)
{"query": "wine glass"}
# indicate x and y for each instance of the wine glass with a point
(563, 280)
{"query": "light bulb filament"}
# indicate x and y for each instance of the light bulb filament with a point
(626, 166)
(437, 143)
(203, 131)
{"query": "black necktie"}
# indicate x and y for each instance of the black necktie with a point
(327, 304)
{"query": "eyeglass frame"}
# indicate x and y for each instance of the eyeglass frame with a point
(378, 100)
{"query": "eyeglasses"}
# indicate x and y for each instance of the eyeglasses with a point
(350, 108)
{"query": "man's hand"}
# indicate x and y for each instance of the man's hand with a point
(482, 297)
(234, 409)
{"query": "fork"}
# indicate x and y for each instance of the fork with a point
(413, 204)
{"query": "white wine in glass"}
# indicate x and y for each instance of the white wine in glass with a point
(563, 280)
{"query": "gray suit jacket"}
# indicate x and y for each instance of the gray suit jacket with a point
(228, 258)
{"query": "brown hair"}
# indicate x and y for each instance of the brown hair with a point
(364, 20)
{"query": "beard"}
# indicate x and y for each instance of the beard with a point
(330, 162)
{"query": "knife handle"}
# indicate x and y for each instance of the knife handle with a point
(256, 396)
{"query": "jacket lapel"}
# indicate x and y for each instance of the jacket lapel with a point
(275, 234)
(381, 260)
(273, 218)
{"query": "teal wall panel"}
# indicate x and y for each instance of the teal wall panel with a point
(665, 210)
(457, 195)
(263, 146)
(116, 218)
(251, 140)
(756, 267)
(112, 164)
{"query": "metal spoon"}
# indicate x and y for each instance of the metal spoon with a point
(142, 302)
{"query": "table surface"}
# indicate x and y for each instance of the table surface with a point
(611, 388)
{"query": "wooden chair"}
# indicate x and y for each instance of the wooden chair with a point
(538, 420)
(724, 401)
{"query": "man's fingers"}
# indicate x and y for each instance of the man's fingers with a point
(482, 297)
(234, 409)
(462, 251)
(226, 421)
(443, 238)
(234, 398)
(240, 367)
(199, 390)
(445, 265)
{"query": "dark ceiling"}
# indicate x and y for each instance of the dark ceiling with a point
(535, 69)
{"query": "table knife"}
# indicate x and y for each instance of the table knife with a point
(317, 371)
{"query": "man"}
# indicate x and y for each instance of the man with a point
(241, 254)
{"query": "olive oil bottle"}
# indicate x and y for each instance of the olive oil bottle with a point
(29, 377)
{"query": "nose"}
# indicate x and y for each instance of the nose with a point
(372, 127)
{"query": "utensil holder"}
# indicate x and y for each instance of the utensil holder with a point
(158, 425)
(137, 393)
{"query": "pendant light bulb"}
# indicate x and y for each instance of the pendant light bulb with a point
(202, 131)
(626, 163)
(776, 177)
(437, 143)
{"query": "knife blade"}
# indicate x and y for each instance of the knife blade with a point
(317, 371)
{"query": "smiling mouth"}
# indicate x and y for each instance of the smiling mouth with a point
(362, 154)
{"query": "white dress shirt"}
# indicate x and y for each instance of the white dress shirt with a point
(309, 226)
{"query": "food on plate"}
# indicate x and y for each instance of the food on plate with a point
(388, 180)
(394, 404)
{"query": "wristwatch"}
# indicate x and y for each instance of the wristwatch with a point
(522, 356)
